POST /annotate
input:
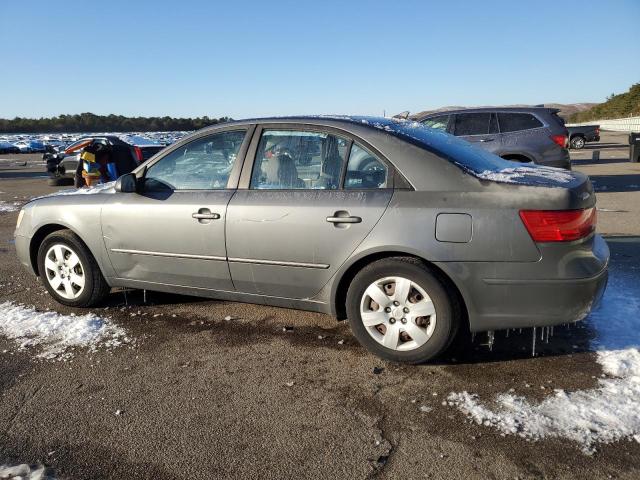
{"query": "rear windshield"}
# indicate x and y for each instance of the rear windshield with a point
(458, 151)
(476, 161)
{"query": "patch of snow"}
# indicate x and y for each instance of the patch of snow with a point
(8, 207)
(56, 334)
(107, 187)
(608, 413)
(514, 174)
(24, 472)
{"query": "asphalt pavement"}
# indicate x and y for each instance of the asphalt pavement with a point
(215, 389)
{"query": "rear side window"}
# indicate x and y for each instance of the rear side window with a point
(364, 170)
(513, 122)
(439, 123)
(472, 124)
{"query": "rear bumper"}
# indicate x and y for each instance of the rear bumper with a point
(562, 287)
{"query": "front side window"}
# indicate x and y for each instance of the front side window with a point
(365, 170)
(299, 160)
(203, 164)
(439, 123)
(513, 122)
(472, 124)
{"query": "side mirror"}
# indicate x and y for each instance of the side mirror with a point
(127, 183)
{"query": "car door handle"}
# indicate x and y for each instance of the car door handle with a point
(205, 216)
(348, 219)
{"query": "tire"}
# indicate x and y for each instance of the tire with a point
(577, 142)
(56, 251)
(438, 329)
(60, 181)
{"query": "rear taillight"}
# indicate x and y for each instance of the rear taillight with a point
(139, 156)
(559, 225)
(597, 130)
(560, 140)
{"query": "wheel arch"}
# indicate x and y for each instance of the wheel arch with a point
(341, 285)
(38, 237)
(517, 157)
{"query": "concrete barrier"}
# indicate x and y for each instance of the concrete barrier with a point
(629, 124)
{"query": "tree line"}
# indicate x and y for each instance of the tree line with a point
(617, 106)
(88, 122)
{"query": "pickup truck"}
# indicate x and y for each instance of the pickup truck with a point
(579, 136)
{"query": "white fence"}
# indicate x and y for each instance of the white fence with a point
(629, 124)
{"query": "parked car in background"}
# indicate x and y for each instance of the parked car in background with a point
(23, 146)
(131, 152)
(437, 236)
(532, 134)
(580, 136)
(6, 147)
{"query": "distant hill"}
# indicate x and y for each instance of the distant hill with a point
(617, 106)
(566, 109)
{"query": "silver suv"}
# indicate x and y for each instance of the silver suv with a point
(531, 134)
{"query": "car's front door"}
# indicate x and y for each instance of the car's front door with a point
(173, 231)
(478, 127)
(295, 224)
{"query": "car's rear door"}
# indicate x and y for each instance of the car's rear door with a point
(478, 127)
(291, 224)
(524, 133)
(173, 232)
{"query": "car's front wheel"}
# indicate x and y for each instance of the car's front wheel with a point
(399, 310)
(69, 272)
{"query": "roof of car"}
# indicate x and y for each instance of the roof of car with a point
(359, 120)
(490, 109)
(129, 139)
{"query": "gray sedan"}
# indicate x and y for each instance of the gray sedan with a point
(409, 232)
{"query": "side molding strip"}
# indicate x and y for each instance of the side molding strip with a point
(279, 263)
(322, 266)
(166, 254)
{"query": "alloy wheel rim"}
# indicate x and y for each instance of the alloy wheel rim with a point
(398, 313)
(578, 142)
(64, 271)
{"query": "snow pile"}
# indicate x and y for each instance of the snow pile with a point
(57, 334)
(605, 414)
(24, 472)
(514, 174)
(8, 207)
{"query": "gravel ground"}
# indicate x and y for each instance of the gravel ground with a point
(211, 389)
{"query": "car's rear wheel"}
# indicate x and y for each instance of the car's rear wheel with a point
(399, 310)
(577, 143)
(69, 272)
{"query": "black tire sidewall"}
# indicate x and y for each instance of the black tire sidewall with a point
(80, 249)
(420, 274)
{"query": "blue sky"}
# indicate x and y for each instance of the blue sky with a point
(245, 59)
